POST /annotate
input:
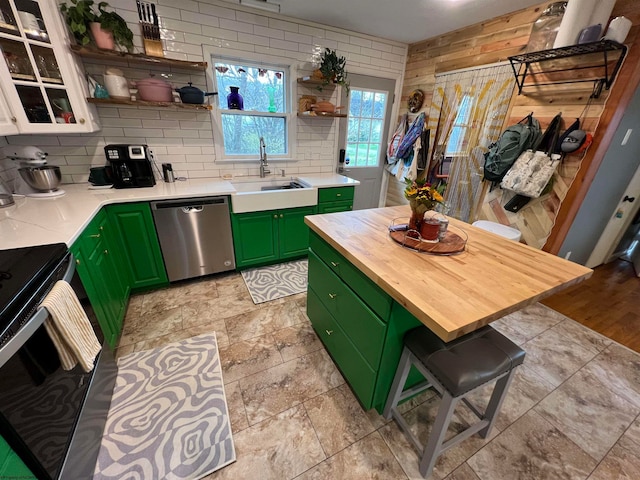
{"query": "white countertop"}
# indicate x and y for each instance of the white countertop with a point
(38, 221)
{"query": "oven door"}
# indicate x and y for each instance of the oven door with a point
(47, 414)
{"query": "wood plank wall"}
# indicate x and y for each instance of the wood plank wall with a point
(494, 41)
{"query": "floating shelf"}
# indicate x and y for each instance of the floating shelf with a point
(322, 115)
(521, 64)
(136, 58)
(314, 82)
(142, 103)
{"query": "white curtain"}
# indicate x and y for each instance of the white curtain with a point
(489, 90)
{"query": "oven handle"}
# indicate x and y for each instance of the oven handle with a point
(29, 328)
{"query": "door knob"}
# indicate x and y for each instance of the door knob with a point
(629, 199)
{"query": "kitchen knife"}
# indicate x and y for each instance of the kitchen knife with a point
(154, 14)
(144, 14)
(149, 14)
(139, 9)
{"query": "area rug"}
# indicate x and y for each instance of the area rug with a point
(168, 417)
(276, 281)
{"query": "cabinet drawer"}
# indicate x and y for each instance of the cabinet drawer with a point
(360, 376)
(363, 327)
(335, 194)
(335, 207)
(368, 291)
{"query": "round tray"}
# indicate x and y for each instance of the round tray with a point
(453, 242)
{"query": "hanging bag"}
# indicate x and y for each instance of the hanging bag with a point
(533, 169)
(397, 137)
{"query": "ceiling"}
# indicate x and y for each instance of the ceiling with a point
(407, 21)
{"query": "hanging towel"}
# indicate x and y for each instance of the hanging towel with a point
(69, 328)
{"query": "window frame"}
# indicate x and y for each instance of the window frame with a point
(464, 126)
(290, 115)
(382, 140)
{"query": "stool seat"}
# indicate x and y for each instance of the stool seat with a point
(454, 370)
(467, 362)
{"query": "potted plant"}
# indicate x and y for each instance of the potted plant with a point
(332, 69)
(107, 28)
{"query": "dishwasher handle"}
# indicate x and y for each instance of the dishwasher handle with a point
(193, 209)
(189, 203)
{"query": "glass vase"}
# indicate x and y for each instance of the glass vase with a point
(234, 99)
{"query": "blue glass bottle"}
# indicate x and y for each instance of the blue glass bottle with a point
(234, 99)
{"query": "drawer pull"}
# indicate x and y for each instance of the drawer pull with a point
(338, 194)
(106, 252)
(95, 236)
(334, 264)
(332, 295)
(329, 332)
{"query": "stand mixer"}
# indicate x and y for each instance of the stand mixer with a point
(36, 179)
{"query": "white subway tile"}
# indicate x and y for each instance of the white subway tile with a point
(383, 47)
(174, 115)
(219, 33)
(201, 18)
(183, 4)
(180, 26)
(236, 26)
(112, 132)
(339, 37)
(363, 42)
(378, 62)
(254, 39)
(134, 112)
(144, 132)
(159, 124)
(283, 45)
(268, 32)
(195, 125)
(296, 37)
(399, 50)
(217, 11)
(252, 18)
(347, 47)
(119, 122)
(282, 25)
(370, 52)
(176, 150)
(175, 133)
(313, 31)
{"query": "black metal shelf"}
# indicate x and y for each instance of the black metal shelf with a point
(521, 64)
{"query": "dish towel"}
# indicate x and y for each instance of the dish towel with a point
(69, 328)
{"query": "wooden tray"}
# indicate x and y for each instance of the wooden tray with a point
(450, 244)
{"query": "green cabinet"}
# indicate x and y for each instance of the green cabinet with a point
(138, 244)
(11, 465)
(360, 325)
(266, 237)
(105, 281)
(335, 199)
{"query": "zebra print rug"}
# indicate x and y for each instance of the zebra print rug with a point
(168, 416)
(276, 281)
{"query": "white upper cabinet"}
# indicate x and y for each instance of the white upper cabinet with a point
(42, 82)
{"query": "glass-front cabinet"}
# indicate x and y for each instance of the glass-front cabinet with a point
(43, 86)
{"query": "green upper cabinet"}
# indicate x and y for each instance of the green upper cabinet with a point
(266, 237)
(335, 199)
(138, 244)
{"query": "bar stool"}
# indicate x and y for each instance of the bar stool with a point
(455, 369)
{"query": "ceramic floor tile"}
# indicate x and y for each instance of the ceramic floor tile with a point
(338, 419)
(532, 449)
(179, 295)
(367, 459)
(582, 335)
(619, 464)
(216, 309)
(283, 386)
(528, 323)
(619, 369)
(600, 420)
(217, 326)
(246, 358)
(266, 319)
(280, 448)
(296, 341)
(235, 405)
(124, 350)
(152, 325)
(554, 357)
(134, 308)
(463, 472)
(231, 284)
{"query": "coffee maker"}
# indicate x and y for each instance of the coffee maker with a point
(131, 166)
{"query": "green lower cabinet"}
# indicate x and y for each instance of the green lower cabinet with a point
(335, 207)
(335, 199)
(139, 248)
(11, 465)
(266, 237)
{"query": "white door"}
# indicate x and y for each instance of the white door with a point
(620, 220)
(364, 135)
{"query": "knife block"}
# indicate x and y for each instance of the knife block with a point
(153, 48)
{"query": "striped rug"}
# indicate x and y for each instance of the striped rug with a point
(168, 417)
(276, 281)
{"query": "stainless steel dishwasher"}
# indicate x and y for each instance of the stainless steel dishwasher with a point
(195, 236)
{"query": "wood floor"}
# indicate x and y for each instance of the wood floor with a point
(608, 302)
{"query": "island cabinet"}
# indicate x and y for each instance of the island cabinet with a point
(266, 237)
(138, 244)
(335, 199)
(103, 275)
(360, 325)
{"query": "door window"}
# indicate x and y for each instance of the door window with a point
(365, 127)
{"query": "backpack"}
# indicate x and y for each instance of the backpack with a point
(502, 154)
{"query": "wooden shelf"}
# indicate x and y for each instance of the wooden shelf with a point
(314, 82)
(322, 115)
(142, 103)
(136, 58)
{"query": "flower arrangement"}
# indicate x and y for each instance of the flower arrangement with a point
(422, 196)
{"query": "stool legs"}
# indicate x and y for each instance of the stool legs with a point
(433, 449)
(495, 402)
(404, 366)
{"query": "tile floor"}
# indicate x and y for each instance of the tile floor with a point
(573, 410)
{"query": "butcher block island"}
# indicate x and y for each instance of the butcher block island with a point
(366, 291)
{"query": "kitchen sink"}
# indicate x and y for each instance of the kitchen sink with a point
(271, 194)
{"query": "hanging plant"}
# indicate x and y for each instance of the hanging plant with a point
(332, 68)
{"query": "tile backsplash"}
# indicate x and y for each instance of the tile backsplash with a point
(185, 137)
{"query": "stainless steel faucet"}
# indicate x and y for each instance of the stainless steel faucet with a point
(264, 171)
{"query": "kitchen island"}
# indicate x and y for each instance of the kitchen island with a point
(366, 291)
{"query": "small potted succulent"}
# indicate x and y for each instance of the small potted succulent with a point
(108, 29)
(332, 69)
